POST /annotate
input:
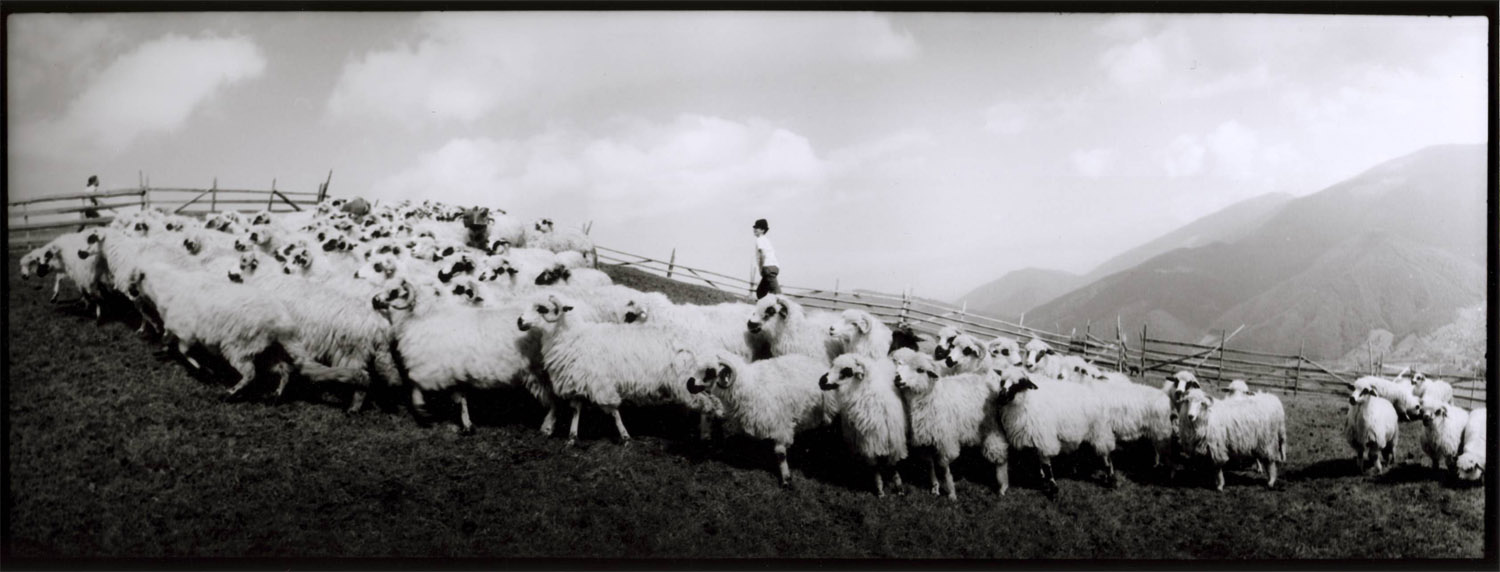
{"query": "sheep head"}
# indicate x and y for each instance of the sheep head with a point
(770, 311)
(547, 311)
(944, 342)
(847, 368)
(461, 264)
(468, 290)
(498, 267)
(553, 275)
(248, 264)
(133, 289)
(915, 372)
(965, 349)
(395, 296)
(1470, 467)
(1004, 350)
(1036, 350)
(854, 323)
(1013, 382)
(1182, 382)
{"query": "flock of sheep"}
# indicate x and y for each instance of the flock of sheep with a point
(442, 301)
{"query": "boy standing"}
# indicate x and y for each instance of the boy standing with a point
(765, 257)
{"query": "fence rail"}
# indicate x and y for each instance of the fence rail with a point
(1148, 359)
(36, 221)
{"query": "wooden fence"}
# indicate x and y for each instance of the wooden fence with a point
(1147, 359)
(34, 222)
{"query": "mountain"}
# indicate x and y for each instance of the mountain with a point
(1228, 224)
(1021, 290)
(1399, 248)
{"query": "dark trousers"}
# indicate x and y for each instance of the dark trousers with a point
(768, 284)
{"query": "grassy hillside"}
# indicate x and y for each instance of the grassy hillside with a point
(1399, 247)
(115, 452)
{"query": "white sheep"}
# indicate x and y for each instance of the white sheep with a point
(780, 326)
(544, 236)
(448, 349)
(1399, 392)
(771, 399)
(561, 274)
(872, 414)
(608, 364)
(1238, 388)
(1426, 387)
(717, 324)
(944, 343)
(1005, 350)
(948, 413)
(861, 333)
(1472, 451)
(1223, 430)
(1043, 361)
(1370, 428)
(1054, 417)
(966, 355)
(1135, 412)
(1443, 431)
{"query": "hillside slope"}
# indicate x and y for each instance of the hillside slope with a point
(1326, 268)
(1021, 290)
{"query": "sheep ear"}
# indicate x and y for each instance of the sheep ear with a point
(781, 308)
(863, 323)
(859, 371)
(726, 375)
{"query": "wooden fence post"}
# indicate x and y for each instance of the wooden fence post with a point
(271, 195)
(213, 204)
(1297, 373)
(905, 301)
(26, 220)
(1120, 345)
(1143, 349)
(672, 263)
(1222, 341)
(323, 191)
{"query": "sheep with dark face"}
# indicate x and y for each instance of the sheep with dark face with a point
(560, 274)
(872, 415)
(1051, 418)
(950, 412)
(771, 399)
(779, 326)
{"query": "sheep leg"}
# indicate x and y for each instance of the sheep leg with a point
(705, 426)
(573, 426)
(466, 427)
(1219, 479)
(1271, 473)
(419, 406)
(246, 367)
(56, 287)
(1049, 485)
(896, 478)
(948, 480)
(550, 420)
(356, 402)
(1379, 457)
(785, 471)
(932, 475)
(614, 411)
(1002, 476)
(879, 484)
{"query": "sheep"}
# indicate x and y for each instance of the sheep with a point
(872, 414)
(1427, 387)
(1042, 360)
(607, 364)
(334, 324)
(53, 257)
(1399, 393)
(544, 236)
(560, 274)
(944, 344)
(1472, 450)
(859, 332)
(1005, 350)
(237, 321)
(1238, 388)
(717, 324)
(780, 326)
(966, 355)
(903, 335)
(1052, 418)
(951, 412)
(1178, 384)
(1370, 428)
(1226, 429)
(1443, 425)
(771, 399)
(1135, 411)
(451, 350)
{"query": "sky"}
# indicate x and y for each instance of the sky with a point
(889, 151)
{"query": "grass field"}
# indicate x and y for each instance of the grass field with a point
(116, 452)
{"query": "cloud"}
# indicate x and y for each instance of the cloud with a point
(1229, 151)
(1184, 157)
(1006, 118)
(43, 46)
(462, 67)
(640, 169)
(151, 89)
(1093, 163)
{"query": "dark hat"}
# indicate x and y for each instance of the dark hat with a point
(93, 179)
(761, 224)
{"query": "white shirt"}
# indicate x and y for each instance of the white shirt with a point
(767, 252)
